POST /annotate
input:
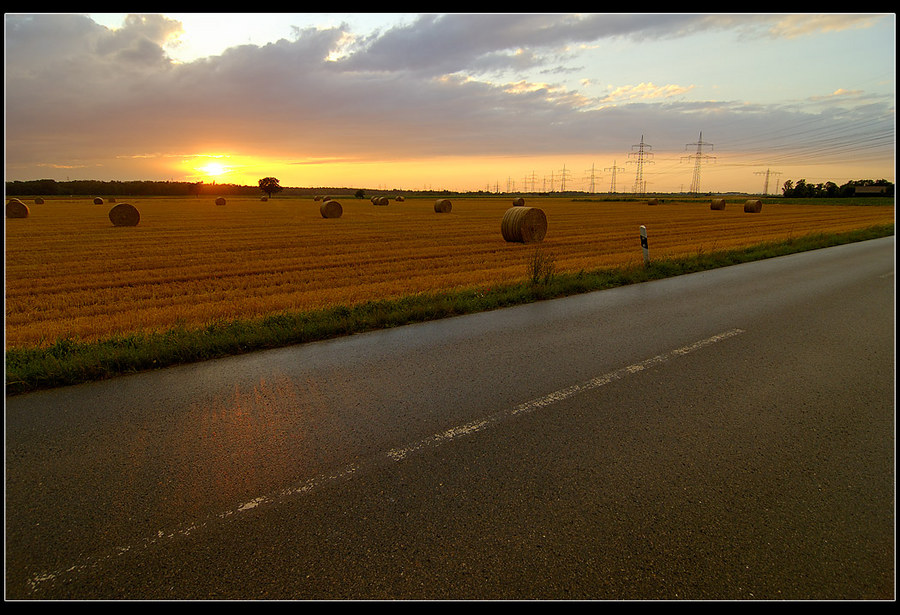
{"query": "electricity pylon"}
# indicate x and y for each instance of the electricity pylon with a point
(563, 177)
(613, 168)
(639, 184)
(767, 173)
(592, 177)
(700, 144)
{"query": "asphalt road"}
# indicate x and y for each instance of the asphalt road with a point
(722, 435)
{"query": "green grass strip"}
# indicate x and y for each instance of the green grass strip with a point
(71, 361)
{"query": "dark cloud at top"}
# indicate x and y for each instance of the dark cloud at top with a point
(483, 42)
(77, 90)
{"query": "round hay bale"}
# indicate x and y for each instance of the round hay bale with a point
(443, 206)
(381, 201)
(16, 209)
(524, 225)
(98, 201)
(653, 202)
(124, 214)
(39, 201)
(317, 198)
(401, 198)
(264, 199)
(753, 206)
(717, 204)
(331, 209)
(326, 198)
(220, 201)
(519, 202)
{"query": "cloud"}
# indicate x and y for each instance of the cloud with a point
(792, 26)
(441, 44)
(645, 91)
(78, 92)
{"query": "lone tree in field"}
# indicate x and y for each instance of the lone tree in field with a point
(270, 186)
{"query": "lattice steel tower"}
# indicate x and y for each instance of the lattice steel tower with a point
(614, 169)
(564, 176)
(768, 173)
(639, 184)
(592, 177)
(700, 144)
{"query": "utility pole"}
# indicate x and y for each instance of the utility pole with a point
(613, 168)
(767, 173)
(642, 155)
(700, 144)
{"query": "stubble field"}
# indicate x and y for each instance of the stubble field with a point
(71, 274)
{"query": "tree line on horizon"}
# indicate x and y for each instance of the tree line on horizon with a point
(858, 187)
(82, 187)
(90, 187)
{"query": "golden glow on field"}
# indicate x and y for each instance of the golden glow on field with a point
(193, 262)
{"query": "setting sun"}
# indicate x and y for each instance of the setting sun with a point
(213, 169)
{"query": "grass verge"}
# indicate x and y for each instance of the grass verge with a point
(71, 361)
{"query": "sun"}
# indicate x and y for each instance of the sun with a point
(213, 169)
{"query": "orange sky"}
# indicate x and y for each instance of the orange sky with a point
(452, 102)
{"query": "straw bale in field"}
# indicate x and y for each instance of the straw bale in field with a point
(331, 209)
(16, 209)
(443, 206)
(220, 200)
(39, 201)
(264, 199)
(318, 198)
(524, 225)
(717, 204)
(381, 201)
(519, 202)
(653, 202)
(753, 206)
(401, 198)
(124, 214)
(98, 201)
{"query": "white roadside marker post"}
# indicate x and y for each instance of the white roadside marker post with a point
(645, 246)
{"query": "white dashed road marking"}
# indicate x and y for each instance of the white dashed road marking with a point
(397, 454)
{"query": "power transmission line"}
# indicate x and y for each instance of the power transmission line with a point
(563, 178)
(700, 144)
(639, 184)
(614, 168)
(592, 177)
(767, 173)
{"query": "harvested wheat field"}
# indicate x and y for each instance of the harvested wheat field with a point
(71, 273)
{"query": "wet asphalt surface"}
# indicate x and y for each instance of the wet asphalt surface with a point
(724, 435)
